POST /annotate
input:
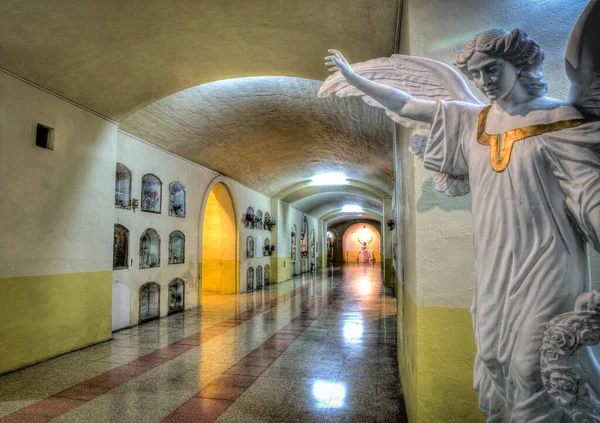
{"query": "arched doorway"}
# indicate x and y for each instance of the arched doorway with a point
(362, 243)
(219, 239)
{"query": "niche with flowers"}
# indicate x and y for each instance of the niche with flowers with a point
(151, 193)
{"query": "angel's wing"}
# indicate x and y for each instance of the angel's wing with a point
(582, 61)
(421, 78)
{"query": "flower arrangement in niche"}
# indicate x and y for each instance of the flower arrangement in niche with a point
(257, 220)
(250, 216)
(391, 223)
(270, 222)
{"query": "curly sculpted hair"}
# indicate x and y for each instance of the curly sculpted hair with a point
(517, 48)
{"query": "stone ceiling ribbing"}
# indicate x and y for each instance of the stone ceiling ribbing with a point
(270, 132)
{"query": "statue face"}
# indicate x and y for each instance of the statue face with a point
(495, 77)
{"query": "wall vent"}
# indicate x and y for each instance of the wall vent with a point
(44, 137)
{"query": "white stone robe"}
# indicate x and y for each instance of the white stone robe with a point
(530, 223)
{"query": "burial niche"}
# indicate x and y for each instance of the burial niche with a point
(123, 187)
(250, 279)
(267, 275)
(176, 247)
(176, 295)
(176, 199)
(258, 220)
(249, 247)
(120, 247)
(149, 249)
(259, 277)
(151, 193)
(149, 301)
(267, 247)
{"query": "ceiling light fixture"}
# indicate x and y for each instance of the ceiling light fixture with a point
(331, 178)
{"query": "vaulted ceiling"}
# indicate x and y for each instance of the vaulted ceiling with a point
(230, 85)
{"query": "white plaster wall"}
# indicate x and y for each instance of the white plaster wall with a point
(142, 158)
(438, 29)
(244, 198)
(290, 216)
(56, 205)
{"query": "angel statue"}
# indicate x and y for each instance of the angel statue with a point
(532, 165)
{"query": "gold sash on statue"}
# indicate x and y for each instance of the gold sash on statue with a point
(500, 159)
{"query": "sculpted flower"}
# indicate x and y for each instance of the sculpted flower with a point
(549, 352)
(565, 386)
(562, 339)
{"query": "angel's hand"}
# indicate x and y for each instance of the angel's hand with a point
(337, 62)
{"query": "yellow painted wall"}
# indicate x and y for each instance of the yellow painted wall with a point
(437, 350)
(44, 316)
(281, 269)
(219, 264)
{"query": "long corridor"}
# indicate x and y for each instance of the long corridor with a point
(319, 348)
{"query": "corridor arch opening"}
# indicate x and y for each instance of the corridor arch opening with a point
(361, 242)
(218, 243)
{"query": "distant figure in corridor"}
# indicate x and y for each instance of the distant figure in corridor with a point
(532, 164)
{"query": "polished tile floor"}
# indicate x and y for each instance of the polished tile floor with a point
(320, 348)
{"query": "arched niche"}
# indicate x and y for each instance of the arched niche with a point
(268, 225)
(258, 220)
(250, 279)
(121, 303)
(176, 295)
(176, 247)
(149, 249)
(120, 247)
(259, 277)
(267, 275)
(267, 247)
(258, 246)
(249, 247)
(250, 218)
(123, 187)
(304, 238)
(293, 234)
(177, 195)
(149, 301)
(151, 193)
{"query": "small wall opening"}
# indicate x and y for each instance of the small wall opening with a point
(44, 137)
(267, 275)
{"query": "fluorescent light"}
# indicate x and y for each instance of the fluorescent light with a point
(352, 209)
(332, 178)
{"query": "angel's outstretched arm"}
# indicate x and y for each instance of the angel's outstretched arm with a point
(393, 99)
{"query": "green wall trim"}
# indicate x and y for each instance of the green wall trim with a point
(45, 316)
